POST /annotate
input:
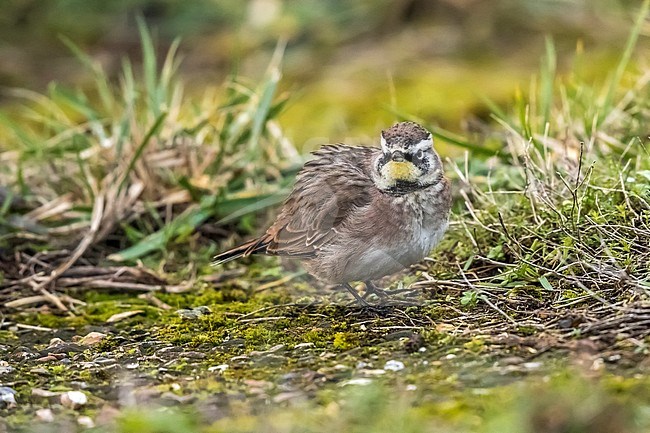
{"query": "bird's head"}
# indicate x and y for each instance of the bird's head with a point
(408, 161)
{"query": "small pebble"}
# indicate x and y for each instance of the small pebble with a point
(218, 368)
(393, 365)
(361, 381)
(7, 397)
(45, 415)
(43, 393)
(92, 338)
(194, 313)
(73, 399)
(303, 345)
(85, 421)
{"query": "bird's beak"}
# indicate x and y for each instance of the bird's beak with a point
(397, 156)
(399, 169)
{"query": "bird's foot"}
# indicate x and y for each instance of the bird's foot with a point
(361, 301)
(371, 289)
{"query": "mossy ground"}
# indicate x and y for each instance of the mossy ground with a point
(302, 355)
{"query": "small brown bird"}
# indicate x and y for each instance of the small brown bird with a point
(361, 213)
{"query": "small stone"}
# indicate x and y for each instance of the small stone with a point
(393, 365)
(48, 358)
(239, 358)
(169, 398)
(56, 341)
(303, 345)
(218, 368)
(286, 396)
(411, 387)
(45, 415)
(361, 381)
(85, 421)
(22, 353)
(203, 309)
(74, 399)
(102, 360)
(511, 360)
(235, 342)
(58, 346)
(186, 314)
(274, 349)
(194, 313)
(7, 397)
(43, 393)
(192, 355)
(92, 338)
(6, 369)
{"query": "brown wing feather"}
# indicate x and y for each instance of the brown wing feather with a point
(327, 190)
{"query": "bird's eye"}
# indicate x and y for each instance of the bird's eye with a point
(420, 154)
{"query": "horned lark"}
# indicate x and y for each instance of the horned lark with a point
(361, 213)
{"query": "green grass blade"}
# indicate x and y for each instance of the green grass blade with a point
(262, 110)
(150, 68)
(547, 80)
(192, 217)
(614, 83)
(138, 153)
(101, 80)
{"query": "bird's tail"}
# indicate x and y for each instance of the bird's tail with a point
(245, 250)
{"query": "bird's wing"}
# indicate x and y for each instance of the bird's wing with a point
(328, 189)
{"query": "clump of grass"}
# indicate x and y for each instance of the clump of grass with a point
(132, 165)
(560, 220)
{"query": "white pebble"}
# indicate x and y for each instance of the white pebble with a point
(73, 399)
(361, 381)
(86, 421)
(45, 415)
(220, 368)
(393, 365)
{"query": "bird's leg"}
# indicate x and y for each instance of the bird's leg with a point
(354, 293)
(371, 288)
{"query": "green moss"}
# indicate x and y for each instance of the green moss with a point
(527, 330)
(345, 341)
(8, 336)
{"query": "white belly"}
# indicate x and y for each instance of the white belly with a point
(378, 260)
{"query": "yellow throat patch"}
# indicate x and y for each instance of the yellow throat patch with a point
(400, 171)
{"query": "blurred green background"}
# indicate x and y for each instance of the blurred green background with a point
(348, 64)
